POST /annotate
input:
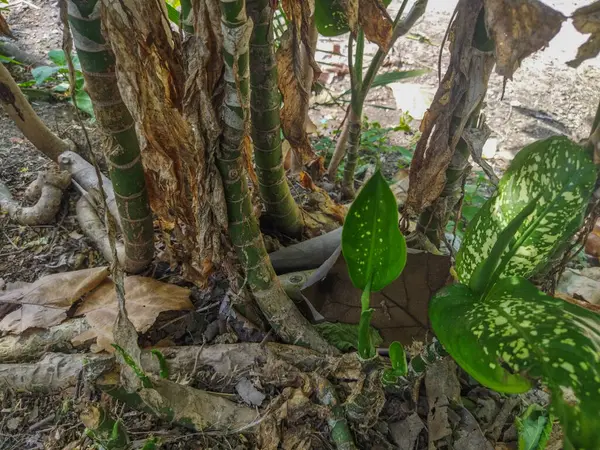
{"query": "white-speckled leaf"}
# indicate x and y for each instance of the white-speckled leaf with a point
(562, 174)
(516, 335)
(372, 244)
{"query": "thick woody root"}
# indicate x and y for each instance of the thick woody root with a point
(167, 399)
(47, 190)
(283, 366)
(20, 111)
(87, 215)
(84, 174)
(33, 343)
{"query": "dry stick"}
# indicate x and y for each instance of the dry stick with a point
(124, 332)
(20, 111)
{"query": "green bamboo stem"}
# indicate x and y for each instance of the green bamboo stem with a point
(124, 159)
(244, 231)
(265, 102)
(338, 424)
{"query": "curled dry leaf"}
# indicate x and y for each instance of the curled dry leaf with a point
(320, 213)
(519, 28)
(46, 302)
(438, 140)
(292, 84)
(375, 22)
(294, 56)
(306, 181)
(145, 298)
(587, 21)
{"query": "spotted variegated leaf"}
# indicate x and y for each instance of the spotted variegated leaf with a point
(372, 244)
(559, 172)
(515, 335)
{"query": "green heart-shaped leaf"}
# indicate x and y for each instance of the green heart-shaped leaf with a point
(561, 175)
(372, 244)
(517, 334)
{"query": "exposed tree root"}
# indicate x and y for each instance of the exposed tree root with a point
(11, 49)
(87, 216)
(48, 188)
(18, 109)
(84, 174)
(33, 343)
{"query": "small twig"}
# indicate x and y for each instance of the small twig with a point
(41, 423)
(11, 241)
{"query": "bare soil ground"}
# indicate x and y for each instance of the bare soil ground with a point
(545, 97)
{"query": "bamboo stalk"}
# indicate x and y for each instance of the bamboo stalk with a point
(265, 102)
(125, 164)
(244, 231)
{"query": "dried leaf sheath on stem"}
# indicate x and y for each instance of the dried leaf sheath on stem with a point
(265, 102)
(123, 153)
(244, 231)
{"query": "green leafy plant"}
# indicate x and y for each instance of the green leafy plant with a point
(374, 249)
(399, 364)
(495, 323)
(344, 336)
(139, 372)
(374, 140)
(162, 363)
(58, 75)
(534, 427)
(477, 191)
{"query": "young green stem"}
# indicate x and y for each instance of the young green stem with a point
(362, 85)
(366, 349)
(355, 115)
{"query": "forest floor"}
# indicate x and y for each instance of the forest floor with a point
(545, 97)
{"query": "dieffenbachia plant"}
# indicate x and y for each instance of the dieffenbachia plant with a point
(496, 324)
(374, 249)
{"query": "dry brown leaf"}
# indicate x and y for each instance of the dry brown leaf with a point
(400, 309)
(592, 244)
(586, 20)
(295, 53)
(145, 298)
(350, 8)
(4, 28)
(306, 182)
(375, 22)
(519, 28)
(436, 145)
(45, 302)
(320, 213)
